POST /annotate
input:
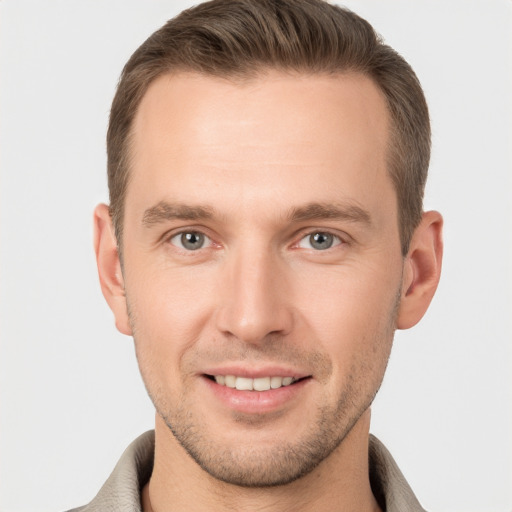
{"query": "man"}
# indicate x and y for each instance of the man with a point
(265, 238)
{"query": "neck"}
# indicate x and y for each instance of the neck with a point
(340, 482)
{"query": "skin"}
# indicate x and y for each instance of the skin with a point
(257, 168)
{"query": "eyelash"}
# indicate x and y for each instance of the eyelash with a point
(189, 232)
(337, 240)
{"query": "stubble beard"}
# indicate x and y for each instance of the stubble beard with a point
(250, 464)
(284, 462)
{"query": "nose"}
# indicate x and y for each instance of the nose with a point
(254, 302)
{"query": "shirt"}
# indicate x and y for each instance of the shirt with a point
(122, 491)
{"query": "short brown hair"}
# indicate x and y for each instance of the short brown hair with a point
(239, 38)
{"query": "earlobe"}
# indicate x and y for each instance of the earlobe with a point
(109, 267)
(422, 270)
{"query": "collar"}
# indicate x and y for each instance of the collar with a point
(122, 490)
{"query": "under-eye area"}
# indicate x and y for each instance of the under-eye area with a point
(256, 384)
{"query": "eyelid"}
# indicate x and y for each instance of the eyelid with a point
(341, 238)
(177, 236)
(209, 240)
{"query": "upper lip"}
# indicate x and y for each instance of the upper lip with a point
(256, 371)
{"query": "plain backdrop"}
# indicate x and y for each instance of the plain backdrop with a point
(71, 396)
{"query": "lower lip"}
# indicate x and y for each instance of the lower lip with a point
(257, 402)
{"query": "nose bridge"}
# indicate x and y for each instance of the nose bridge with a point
(254, 303)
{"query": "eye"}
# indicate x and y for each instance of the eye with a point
(320, 241)
(190, 240)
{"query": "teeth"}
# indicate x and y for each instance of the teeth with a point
(229, 380)
(243, 384)
(276, 382)
(259, 384)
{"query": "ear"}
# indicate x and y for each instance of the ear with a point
(109, 267)
(422, 270)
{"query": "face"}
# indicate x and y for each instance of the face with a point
(262, 265)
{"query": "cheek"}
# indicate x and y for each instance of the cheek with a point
(351, 310)
(168, 310)
(349, 294)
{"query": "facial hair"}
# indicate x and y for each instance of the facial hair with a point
(282, 462)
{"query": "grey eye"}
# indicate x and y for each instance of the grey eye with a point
(190, 241)
(319, 241)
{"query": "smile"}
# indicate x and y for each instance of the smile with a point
(257, 384)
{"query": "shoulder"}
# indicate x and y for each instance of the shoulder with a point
(389, 485)
(121, 491)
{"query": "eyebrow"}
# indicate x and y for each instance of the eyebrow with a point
(164, 211)
(337, 211)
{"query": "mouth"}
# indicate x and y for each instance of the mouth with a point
(257, 392)
(257, 384)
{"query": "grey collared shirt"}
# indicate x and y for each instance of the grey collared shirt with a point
(122, 491)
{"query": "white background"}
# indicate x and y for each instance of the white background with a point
(71, 397)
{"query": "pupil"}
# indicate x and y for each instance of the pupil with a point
(321, 241)
(192, 241)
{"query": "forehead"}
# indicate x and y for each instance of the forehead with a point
(301, 134)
